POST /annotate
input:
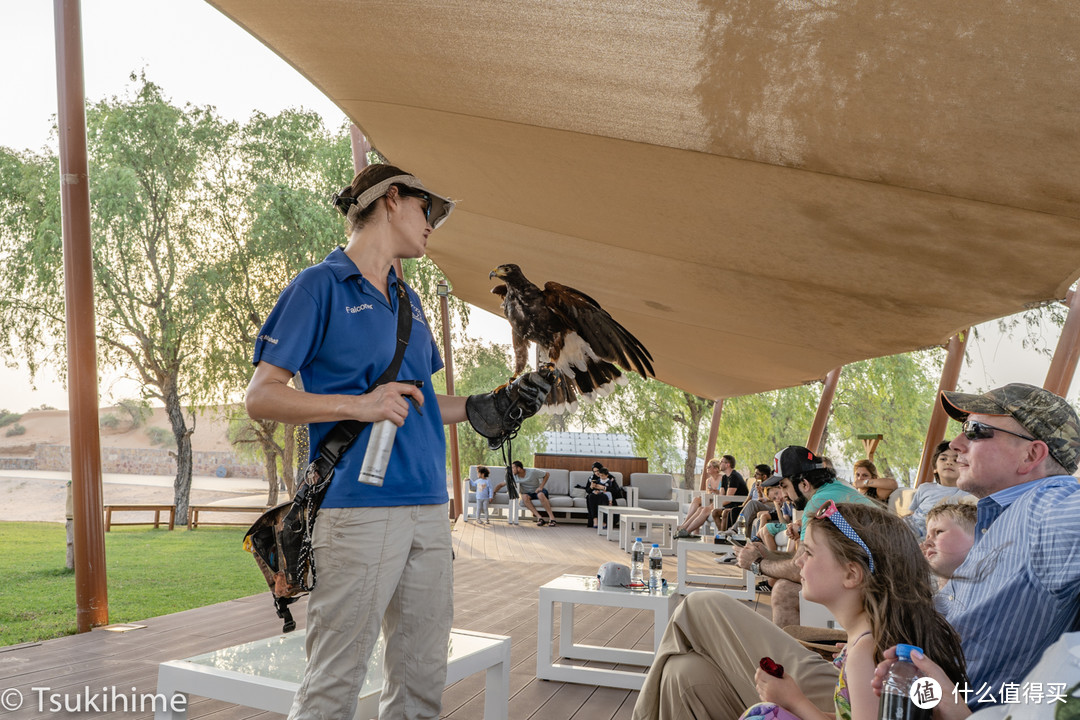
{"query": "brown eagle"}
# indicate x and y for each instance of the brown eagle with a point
(571, 332)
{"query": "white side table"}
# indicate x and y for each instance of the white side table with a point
(636, 525)
(266, 674)
(738, 588)
(570, 589)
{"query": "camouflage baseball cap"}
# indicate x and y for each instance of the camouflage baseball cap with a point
(1045, 415)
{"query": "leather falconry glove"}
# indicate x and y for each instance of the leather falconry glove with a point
(498, 415)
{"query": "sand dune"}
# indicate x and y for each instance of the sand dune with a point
(52, 427)
(41, 496)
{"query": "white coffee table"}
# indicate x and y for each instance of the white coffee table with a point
(739, 588)
(586, 590)
(654, 527)
(266, 674)
(603, 522)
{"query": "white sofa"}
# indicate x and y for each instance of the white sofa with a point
(563, 496)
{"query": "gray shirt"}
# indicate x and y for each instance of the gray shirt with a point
(531, 481)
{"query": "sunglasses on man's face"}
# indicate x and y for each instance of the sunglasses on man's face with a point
(974, 430)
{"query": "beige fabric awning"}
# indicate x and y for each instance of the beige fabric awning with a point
(759, 191)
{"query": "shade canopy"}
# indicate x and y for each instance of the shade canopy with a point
(760, 191)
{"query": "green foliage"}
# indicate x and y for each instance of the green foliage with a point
(108, 420)
(754, 427)
(150, 573)
(137, 411)
(6, 418)
(424, 276)
(660, 418)
(161, 437)
(891, 395)
(148, 159)
(480, 368)
(16, 429)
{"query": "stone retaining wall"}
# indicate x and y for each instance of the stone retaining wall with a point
(135, 461)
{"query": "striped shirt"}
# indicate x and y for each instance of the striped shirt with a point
(1017, 590)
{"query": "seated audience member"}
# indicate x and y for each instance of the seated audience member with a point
(870, 484)
(731, 483)
(701, 506)
(604, 490)
(1055, 669)
(530, 484)
(950, 533)
(758, 500)
(809, 485)
(856, 557)
(1014, 595)
(773, 522)
(929, 494)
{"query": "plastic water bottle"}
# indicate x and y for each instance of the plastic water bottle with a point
(896, 702)
(377, 455)
(656, 565)
(637, 562)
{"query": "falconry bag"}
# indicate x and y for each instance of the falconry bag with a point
(280, 540)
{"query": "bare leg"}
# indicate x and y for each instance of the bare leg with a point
(697, 520)
(695, 505)
(547, 506)
(528, 503)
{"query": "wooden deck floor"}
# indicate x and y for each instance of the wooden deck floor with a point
(497, 573)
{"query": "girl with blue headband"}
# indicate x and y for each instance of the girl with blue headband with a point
(864, 565)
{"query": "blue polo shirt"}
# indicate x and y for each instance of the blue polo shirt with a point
(335, 329)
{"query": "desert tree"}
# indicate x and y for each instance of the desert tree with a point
(147, 162)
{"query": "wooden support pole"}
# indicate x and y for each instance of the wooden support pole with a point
(935, 432)
(360, 149)
(448, 359)
(817, 430)
(1063, 366)
(91, 586)
(714, 432)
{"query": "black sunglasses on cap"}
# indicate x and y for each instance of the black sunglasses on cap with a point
(974, 430)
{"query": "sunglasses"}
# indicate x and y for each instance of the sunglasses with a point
(974, 430)
(423, 196)
(830, 511)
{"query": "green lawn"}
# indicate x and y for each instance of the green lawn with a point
(151, 572)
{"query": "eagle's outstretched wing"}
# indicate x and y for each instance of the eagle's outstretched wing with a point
(573, 333)
(608, 339)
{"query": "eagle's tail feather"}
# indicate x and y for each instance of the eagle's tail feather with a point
(599, 378)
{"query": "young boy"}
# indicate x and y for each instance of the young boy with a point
(950, 533)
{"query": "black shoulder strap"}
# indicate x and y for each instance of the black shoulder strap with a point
(342, 435)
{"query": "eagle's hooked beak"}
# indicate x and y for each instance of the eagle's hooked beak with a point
(497, 272)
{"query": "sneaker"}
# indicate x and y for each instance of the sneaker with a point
(728, 559)
(764, 587)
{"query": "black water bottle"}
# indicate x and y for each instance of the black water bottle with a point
(896, 700)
